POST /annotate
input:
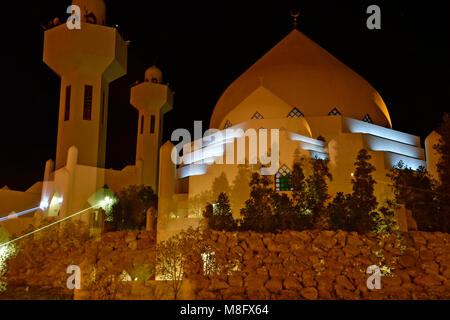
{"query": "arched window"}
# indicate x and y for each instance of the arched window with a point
(367, 118)
(227, 124)
(283, 179)
(257, 116)
(295, 113)
(334, 112)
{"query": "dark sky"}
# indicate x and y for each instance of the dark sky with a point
(201, 48)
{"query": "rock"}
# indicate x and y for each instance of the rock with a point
(418, 239)
(277, 271)
(309, 293)
(274, 285)
(130, 237)
(426, 254)
(218, 285)
(344, 282)
(132, 245)
(407, 261)
(291, 283)
(343, 293)
(325, 240)
(206, 295)
(325, 287)
(430, 267)
(257, 291)
(256, 244)
(235, 281)
(272, 247)
(289, 295)
(308, 278)
(428, 280)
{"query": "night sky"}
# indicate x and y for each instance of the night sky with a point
(201, 48)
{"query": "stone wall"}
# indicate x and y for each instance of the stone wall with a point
(289, 265)
(325, 265)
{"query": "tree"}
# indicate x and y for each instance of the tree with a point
(257, 213)
(300, 203)
(443, 168)
(6, 252)
(172, 255)
(130, 211)
(240, 189)
(316, 191)
(339, 213)
(362, 201)
(415, 189)
(219, 215)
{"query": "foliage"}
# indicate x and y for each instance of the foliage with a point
(317, 190)
(415, 189)
(172, 255)
(219, 215)
(6, 252)
(130, 211)
(196, 204)
(339, 212)
(362, 201)
(50, 250)
(257, 213)
(240, 189)
(355, 211)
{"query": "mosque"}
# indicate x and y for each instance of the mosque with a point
(320, 107)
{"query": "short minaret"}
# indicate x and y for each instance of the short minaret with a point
(87, 60)
(152, 99)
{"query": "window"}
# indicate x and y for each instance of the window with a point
(334, 112)
(87, 111)
(257, 116)
(152, 124)
(367, 118)
(142, 124)
(227, 124)
(67, 106)
(283, 179)
(295, 113)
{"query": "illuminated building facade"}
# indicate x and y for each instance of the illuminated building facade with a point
(320, 106)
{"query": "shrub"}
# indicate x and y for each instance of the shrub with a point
(219, 215)
(130, 211)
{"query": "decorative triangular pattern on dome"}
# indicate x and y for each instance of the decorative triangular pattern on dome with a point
(257, 116)
(334, 112)
(227, 124)
(283, 179)
(295, 113)
(367, 118)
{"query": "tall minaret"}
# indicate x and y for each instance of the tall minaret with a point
(87, 60)
(152, 99)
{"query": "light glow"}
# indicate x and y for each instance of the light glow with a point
(44, 204)
(15, 215)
